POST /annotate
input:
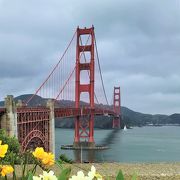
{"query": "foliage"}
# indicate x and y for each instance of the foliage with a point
(12, 142)
(65, 159)
(4, 169)
(134, 176)
(13, 147)
(120, 176)
(65, 173)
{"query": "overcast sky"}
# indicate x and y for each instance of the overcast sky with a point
(138, 41)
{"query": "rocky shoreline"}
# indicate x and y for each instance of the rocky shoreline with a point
(144, 171)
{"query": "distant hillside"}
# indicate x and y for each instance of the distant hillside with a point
(133, 118)
(175, 118)
(37, 100)
(129, 117)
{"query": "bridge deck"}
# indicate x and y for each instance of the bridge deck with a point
(71, 112)
(64, 112)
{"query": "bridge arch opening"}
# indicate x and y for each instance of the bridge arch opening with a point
(35, 139)
(35, 142)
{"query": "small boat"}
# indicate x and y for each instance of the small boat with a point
(125, 128)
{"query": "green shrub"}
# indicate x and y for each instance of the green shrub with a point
(11, 141)
(65, 159)
(13, 147)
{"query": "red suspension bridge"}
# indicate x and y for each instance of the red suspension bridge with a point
(77, 70)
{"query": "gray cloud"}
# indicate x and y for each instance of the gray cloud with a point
(138, 43)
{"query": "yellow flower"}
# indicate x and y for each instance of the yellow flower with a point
(39, 153)
(3, 149)
(48, 159)
(80, 176)
(6, 169)
(37, 178)
(98, 176)
(93, 174)
(46, 176)
(44, 157)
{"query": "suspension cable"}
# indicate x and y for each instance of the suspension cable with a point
(65, 84)
(52, 70)
(100, 71)
(71, 72)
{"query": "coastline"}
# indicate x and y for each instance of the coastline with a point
(144, 171)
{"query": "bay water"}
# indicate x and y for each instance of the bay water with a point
(140, 144)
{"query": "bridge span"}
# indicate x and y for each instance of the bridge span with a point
(34, 126)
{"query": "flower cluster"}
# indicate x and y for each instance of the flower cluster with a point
(45, 158)
(80, 176)
(91, 175)
(46, 176)
(4, 169)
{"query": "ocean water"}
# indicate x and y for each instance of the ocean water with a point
(144, 144)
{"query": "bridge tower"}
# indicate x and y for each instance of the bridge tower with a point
(84, 129)
(117, 108)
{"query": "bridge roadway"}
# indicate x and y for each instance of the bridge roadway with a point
(71, 112)
(64, 112)
(35, 123)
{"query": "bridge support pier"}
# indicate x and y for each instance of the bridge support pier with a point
(9, 119)
(50, 105)
(84, 128)
(117, 108)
